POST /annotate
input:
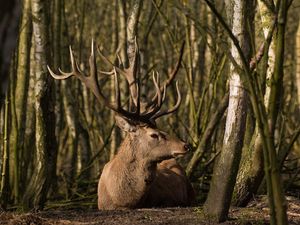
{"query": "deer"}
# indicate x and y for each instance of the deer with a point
(144, 173)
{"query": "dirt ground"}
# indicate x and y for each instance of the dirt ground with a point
(255, 213)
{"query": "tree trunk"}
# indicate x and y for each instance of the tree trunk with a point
(29, 140)
(37, 190)
(226, 167)
(207, 135)
(252, 173)
(114, 134)
(132, 26)
(21, 91)
(298, 63)
(4, 181)
(122, 36)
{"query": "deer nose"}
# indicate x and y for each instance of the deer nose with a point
(187, 147)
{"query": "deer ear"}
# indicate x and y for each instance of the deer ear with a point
(125, 124)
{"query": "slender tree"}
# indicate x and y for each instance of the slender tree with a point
(4, 182)
(298, 63)
(20, 96)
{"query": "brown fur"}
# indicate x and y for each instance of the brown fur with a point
(143, 173)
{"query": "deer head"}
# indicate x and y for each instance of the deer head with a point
(150, 143)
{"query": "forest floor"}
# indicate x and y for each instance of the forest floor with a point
(256, 213)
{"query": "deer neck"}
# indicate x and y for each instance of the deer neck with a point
(132, 176)
(143, 168)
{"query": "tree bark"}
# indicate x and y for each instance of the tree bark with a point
(132, 26)
(37, 190)
(252, 173)
(122, 35)
(21, 93)
(4, 182)
(207, 134)
(226, 167)
(298, 63)
(114, 135)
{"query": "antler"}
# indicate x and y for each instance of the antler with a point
(144, 112)
(91, 81)
(150, 108)
(129, 73)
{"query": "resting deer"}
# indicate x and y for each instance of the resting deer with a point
(144, 172)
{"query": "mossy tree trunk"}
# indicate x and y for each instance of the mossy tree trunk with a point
(251, 173)
(280, 215)
(46, 151)
(4, 181)
(115, 39)
(207, 135)
(20, 93)
(276, 197)
(226, 167)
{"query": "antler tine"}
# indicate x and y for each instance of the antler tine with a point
(126, 73)
(117, 90)
(107, 72)
(133, 80)
(173, 109)
(149, 104)
(138, 99)
(157, 78)
(155, 107)
(158, 91)
(172, 75)
(107, 61)
(135, 58)
(164, 92)
(64, 75)
(93, 67)
(138, 96)
(177, 66)
(120, 60)
(75, 66)
(104, 58)
(129, 73)
(92, 82)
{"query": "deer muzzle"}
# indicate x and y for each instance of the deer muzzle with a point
(179, 152)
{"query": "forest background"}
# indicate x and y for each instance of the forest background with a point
(239, 75)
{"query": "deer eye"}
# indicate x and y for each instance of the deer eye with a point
(155, 136)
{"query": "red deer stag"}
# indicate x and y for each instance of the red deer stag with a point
(144, 172)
